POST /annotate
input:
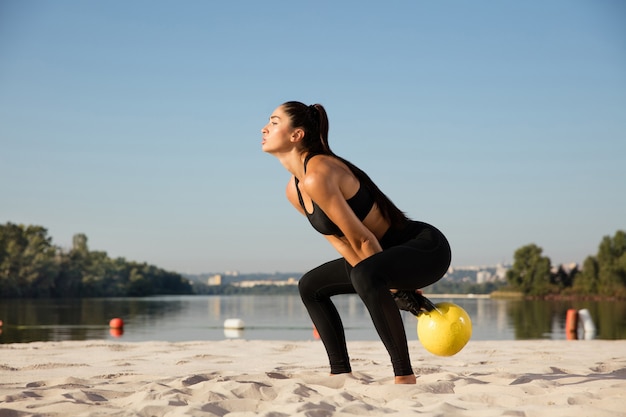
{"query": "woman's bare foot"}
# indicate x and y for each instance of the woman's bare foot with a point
(405, 379)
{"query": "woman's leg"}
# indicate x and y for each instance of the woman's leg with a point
(316, 287)
(412, 265)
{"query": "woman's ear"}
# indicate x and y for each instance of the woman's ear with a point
(297, 135)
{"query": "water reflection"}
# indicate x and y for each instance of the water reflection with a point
(184, 318)
(536, 319)
(76, 319)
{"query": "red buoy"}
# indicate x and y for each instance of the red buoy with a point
(116, 323)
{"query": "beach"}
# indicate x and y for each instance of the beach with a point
(237, 378)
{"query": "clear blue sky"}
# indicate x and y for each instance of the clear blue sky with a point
(138, 123)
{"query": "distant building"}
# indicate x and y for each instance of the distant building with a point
(501, 272)
(483, 276)
(214, 280)
(250, 284)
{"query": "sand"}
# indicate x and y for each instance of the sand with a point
(239, 378)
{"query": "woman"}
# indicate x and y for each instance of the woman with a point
(385, 257)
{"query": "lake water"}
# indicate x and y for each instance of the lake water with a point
(277, 317)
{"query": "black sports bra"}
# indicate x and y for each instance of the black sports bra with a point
(361, 204)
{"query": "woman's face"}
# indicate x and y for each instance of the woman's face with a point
(278, 132)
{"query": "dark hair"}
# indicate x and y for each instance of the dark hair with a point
(314, 121)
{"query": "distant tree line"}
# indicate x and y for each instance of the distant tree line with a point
(31, 266)
(602, 275)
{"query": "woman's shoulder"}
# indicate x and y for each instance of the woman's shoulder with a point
(328, 172)
(321, 168)
(326, 165)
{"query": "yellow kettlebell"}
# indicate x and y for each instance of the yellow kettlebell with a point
(444, 331)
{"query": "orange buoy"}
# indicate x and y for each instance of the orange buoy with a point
(571, 324)
(116, 323)
(316, 334)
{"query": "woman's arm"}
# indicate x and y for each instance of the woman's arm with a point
(341, 245)
(344, 249)
(323, 183)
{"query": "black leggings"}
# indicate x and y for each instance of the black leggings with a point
(412, 258)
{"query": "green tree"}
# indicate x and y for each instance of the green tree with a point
(73, 266)
(530, 272)
(79, 244)
(28, 261)
(605, 273)
(30, 266)
(562, 278)
(588, 281)
(68, 282)
(11, 240)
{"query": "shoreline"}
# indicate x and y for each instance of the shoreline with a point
(544, 378)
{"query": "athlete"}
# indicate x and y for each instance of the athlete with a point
(385, 257)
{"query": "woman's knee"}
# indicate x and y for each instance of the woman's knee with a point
(321, 279)
(366, 277)
(306, 285)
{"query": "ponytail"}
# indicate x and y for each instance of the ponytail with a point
(319, 116)
(314, 121)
